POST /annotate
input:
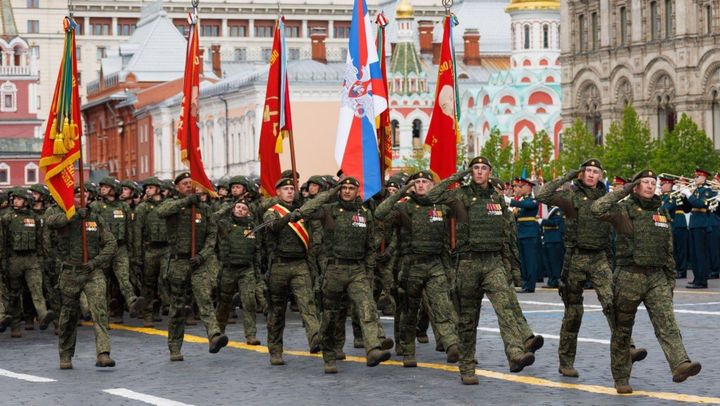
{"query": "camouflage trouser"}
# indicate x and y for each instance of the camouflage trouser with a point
(72, 282)
(3, 297)
(424, 280)
(120, 266)
(580, 267)
(655, 292)
(351, 280)
(28, 269)
(284, 279)
(237, 278)
(155, 262)
(386, 282)
(348, 307)
(181, 278)
(50, 284)
(485, 274)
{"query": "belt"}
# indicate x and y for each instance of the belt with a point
(526, 219)
(645, 270)
(180, 256)
(121, 243)
(286, 260)
(588, 251)
(551, 227)
(477, 255)
(679, 212)
(158, 244)
(343, 261)
(71, 267)
(699, 210)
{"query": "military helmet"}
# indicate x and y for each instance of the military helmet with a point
(112, 182)
(238, 180)
(223, 184)
(91, 187)
(318, 180)
(40, 188)
(151, 181)
(22, 193)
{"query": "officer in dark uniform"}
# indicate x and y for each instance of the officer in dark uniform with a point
(553, 228)
(677, 207)
(700, 227)
(714, 240)
(528, 233)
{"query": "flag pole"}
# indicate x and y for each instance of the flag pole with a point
(453, 220)
(193, 213)
(81, 165)
(292, 160)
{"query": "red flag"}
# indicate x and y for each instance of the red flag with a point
(188, 132)
(61, 146)
(383, 125)
(443, 131)
(277, 120)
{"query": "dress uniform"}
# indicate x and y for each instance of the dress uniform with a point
(553, 228)
(528, 237)
(677, 207)
(646, 274)
(700, 229)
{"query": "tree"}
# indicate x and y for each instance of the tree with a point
(541, 149)
(498, 154)
(628, 145)
(524, 161)
(683, 149)
(418, 161)
(578, 146)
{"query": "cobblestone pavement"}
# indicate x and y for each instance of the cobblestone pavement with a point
(239, 374)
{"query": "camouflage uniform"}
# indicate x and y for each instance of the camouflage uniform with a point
(181, 274)
(587, 241)
(349, 246)
(287, 274)
(239, 253)
(646, 274)
(482, 231)
(151, 246)
(76, 278)
(423, 241)
(22, 249)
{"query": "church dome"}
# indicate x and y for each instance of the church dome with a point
(404, 10)
(518, 5)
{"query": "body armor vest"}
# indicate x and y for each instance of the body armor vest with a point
(346, 232)
(484, 230)
(178, 227)
(586, 231)
(70, 237)
(649, 243)
(155, 227)
(240, 244)
(23, 228)
(424, 229)
(115, 215)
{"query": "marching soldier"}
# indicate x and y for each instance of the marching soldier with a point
(646, 274)
(423, 231)
(483, 231)
(239, 254)
(700, 226)
(151, 248)
(22, 249)
(528, 234)
(116, 214)
(77, 277)
(677, 208)
(587, 241)
(287, 241)
(553, 228)
(188, 266)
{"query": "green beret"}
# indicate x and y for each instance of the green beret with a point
(152, 181)
(350, 181)
(422, 175)
(284, 182)
(183, 175)
(647, 173)
(480, 160)
(288, 173)
(592, 162)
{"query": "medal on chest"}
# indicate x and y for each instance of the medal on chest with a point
(248, 233)
(358, 220)
(28, 222)
(198, 218)
(91, 226)
(660, 220)
(494, 209)
(435, 215)
(118, 214)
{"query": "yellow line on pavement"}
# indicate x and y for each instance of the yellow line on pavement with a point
(689, 292)
(527, 380)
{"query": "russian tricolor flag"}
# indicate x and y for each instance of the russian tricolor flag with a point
(363, 99)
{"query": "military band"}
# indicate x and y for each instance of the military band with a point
(423, 250)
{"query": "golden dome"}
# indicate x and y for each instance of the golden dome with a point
(518, 5)
(404, 10)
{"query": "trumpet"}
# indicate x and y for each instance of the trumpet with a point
(713, 202)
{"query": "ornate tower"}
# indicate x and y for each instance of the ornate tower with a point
(535, 33)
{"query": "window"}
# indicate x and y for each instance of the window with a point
(31, 173)
(666, 119)
(294, 54)
(210, 28)
(4, 174)
(80, 29)
(33, 26)
(126, 26)
(546, 36)
(8, 94)
(394, 127)
(343, 54)
(292, 31)
(100, 53)
(182, 25)
(237, 28)
(654, 21)
(668, 19)
(526, 37)
(417, 134)
(716, 119)
(100, 26)
(240, 54)
(595, 31)
(33, 3)
(35, 51)
(583, 33)
(341, 29)
(78, 53)
(265, 54)
(264, 29)
(624, 40)
(708, 19)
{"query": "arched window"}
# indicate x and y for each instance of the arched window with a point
(623, 26)
(417, 133)
(526, 37)
(546, 36)
(4, 173)
(394, 126)
(8, 97)
(583, 33)
(31, 173)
